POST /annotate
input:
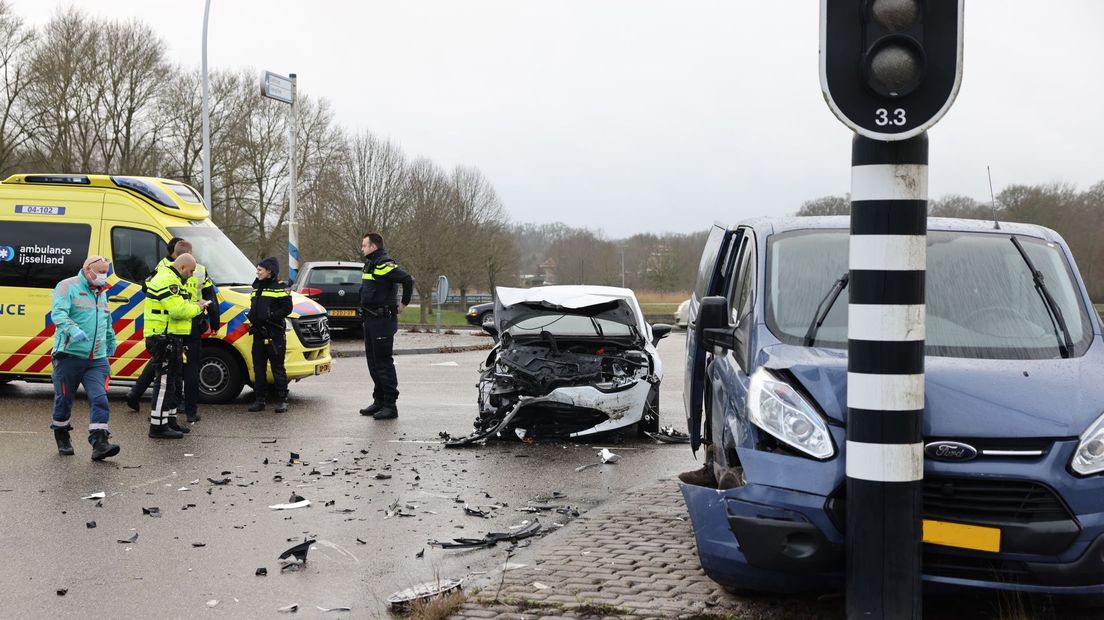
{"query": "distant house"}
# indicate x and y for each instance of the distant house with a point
(546, 274)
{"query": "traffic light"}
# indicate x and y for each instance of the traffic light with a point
(890, 69)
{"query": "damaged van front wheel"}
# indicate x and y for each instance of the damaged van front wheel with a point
(649, 421)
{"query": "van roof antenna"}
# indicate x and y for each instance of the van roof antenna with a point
(996, 224)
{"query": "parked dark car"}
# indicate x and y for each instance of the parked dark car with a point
(335, 285)
(480, 314)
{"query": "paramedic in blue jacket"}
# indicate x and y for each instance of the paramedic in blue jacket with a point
(83, 341)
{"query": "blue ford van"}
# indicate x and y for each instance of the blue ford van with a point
(1013, 419)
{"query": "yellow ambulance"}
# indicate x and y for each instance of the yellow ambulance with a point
(49, 223)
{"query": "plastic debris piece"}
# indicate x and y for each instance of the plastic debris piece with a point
(325, 609)
(668, 434)
(90, 525)
(293, 459)
(491, 539)
(403, 599)
(268, 441)
(329, 503)
(184, 489)
(219, 482)
(540, 586)
(475, 511)
(420, 554)
(197, 545)
(363, 542)
(213, 602)
(62, 591)
(99, 495)
(133, 539)
(186, 454)
(298, 551)
(608, 457)
(152, 511)
(291, 505)
(265, 461)
(290, 609)
(383, 476)
(261, 572)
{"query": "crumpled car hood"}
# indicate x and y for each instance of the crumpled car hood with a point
(971, 397)
(605, 302)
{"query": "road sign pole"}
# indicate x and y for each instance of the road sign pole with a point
(293, 222)
(885, 376)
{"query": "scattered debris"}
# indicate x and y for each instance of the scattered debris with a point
(363, 542)
(152, 511)
(325, 609)
(213, 602)
(197, 545)
(261, 572)
(668, 434)
(90, 525)
(296, 501)
(133, 539)
(403, 599)
(220, 483)
(476, 512)
(444, 435)
(290, 609)
(184, 489)
(268, 441)
(383, 476)
(491, 539)
(608, 457)
(298, 551)
(294, 459)
(62, 591)
(420, 554)
(99, 495)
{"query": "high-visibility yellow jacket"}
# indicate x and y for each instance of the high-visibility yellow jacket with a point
(169, 306)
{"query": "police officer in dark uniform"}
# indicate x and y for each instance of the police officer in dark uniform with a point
(269, 305)
(380, 308)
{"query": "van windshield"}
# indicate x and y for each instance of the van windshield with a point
(225, 263)
(980, 296)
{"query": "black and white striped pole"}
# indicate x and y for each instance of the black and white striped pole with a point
(889, 70)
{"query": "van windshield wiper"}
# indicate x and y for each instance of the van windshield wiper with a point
(825, 307)
(1057, 321)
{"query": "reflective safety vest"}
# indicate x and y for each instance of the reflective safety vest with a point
(169, 306)
(198, 281)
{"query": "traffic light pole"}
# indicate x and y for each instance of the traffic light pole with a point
(885, 376)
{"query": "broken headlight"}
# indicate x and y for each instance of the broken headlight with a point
(1089, 458)
(774, 406)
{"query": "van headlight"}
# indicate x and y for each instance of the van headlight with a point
(777, 408)
(1089, 458)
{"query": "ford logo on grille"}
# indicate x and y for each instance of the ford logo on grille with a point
(950, 451)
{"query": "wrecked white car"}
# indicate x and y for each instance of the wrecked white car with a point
(570, 361)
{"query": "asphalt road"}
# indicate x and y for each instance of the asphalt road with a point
(47, 545)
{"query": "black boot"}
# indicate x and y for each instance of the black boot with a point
(61, 436)
(389, 411)
(258, 405)
(176, 427)
(132, 400)
(193, 417)
(373, 408)
(101, 449)
(281, 406)
(162, 431)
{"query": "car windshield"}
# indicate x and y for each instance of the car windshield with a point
(980, 295)
(225, 263)
(559, 324)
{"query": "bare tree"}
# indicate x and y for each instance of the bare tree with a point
(426, 243)
(16, 41)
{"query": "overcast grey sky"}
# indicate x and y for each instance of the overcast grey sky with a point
(647, 115)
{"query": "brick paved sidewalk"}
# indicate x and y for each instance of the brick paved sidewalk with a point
(632, 558)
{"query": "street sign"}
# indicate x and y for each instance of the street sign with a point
(890, 69)
(277, 87)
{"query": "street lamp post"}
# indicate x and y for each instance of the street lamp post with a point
(206, 116)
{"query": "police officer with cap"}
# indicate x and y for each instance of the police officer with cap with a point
(269, 307)
(380, 308)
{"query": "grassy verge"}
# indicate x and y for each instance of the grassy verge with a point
(448, 317)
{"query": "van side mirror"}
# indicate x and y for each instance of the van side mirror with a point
(712, 328)
(659, 332)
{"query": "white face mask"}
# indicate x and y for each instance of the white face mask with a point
(99, 279)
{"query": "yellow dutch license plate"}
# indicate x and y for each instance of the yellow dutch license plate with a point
(963, 536)
(321, 368)
(342, 312)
